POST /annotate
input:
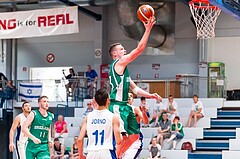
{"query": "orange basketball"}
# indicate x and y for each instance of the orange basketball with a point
(145, 12)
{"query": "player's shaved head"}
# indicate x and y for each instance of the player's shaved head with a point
(112, 47)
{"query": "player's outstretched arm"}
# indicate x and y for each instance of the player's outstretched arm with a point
(25, 130)
(116, 130)
(14, 126)
(81, 138)
(141, 45)
(140, 92)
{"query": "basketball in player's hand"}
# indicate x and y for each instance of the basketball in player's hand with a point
(145, 12)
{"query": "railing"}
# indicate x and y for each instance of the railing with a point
(182, 88)
(207, 87)
(57, 90)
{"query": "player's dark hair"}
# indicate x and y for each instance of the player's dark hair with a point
(170, 95)
(101, 97)
(56, 139)
(177, 117)
(142, 98)
(195, 96)
(111, 47)
(24, 103)
(41, 97)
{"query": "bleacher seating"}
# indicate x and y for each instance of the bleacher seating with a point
(234, 144)
(74, 121)
(192, 135)
(230, 154)
(208, 112)
(202, 122)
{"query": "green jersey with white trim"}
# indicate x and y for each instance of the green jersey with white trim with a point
(119, 84)
(40, 126)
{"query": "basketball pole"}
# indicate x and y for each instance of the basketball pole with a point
(204, 58)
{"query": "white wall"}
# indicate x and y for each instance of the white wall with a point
(227, 50)
(227, 26)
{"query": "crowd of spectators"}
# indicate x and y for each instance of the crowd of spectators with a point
(165, 116)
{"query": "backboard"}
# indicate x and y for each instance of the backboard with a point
(231, 7)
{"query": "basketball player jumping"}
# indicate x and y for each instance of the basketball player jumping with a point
(100, 125)
(21, 139)
(39, 135)
(120, 83)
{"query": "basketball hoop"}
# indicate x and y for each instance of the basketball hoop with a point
(205, 16)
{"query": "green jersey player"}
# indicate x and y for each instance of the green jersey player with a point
(121, 83)
(39, 133)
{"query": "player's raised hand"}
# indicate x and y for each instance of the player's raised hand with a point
(150, 23)
(11, 147)
(36, 140)
(156, 96)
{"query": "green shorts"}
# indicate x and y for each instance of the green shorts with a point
(128, 121)
(37, 151)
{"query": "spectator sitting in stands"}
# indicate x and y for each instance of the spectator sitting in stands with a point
(164, 129)
(71, 81)
(88, 110)
(171, 108)
(60, 129)
(58, 150)
(3, 80)
(177, 132)
(7, 93)
(74, 149)
(196, 112)
(92, 78)
(154, 149)
(156, 114)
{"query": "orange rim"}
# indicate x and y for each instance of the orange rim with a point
(195, 4)
(200, 1)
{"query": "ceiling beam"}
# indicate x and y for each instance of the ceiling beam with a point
(97, 17)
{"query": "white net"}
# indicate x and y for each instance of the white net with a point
(205, 17)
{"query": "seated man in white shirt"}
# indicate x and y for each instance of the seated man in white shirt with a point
(171, 108)
(196, 112)
(156, 113)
